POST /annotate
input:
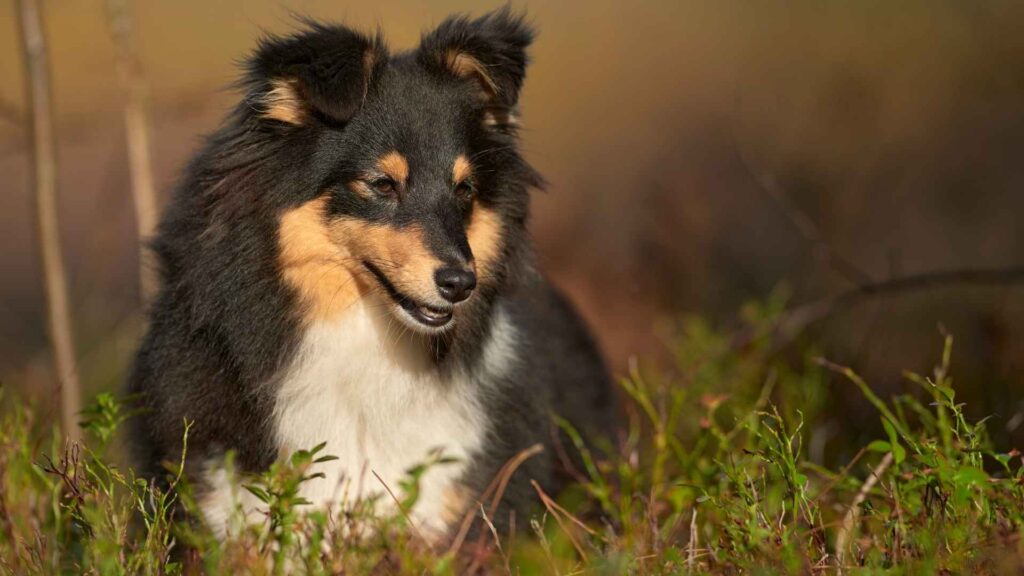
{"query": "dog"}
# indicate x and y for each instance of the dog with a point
(346, 261)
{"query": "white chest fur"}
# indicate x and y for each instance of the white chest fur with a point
(365, 389)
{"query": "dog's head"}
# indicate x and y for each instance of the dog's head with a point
(419, 186)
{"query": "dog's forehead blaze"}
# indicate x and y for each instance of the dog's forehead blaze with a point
(394, 165)
(313, 264)
(461, 169)
(485, 235)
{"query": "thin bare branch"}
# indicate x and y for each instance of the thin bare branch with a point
(793, 322)
(136, 123)
(800, 220)
(405, 514)
(497, 488)
(691, 547)
(557, 512)
(44, 161)
(850, 519)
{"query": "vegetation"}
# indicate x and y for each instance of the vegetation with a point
(710, 475)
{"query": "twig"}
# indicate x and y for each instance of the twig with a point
(508, 469)
(398, 503)
(790, 324)
(800, 221)
(136, 124)
(496, 487)
(556, 512)
(497, 540)
(850, 519)
(44, 161)
(839, 477)
(691, 547)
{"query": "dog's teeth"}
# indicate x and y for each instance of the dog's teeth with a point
(432, 313)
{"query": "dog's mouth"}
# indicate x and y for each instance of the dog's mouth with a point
(431, 317)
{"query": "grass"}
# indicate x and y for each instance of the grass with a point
(710, 475)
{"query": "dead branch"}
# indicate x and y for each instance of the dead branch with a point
(691, 546)
(850, 519)
(44, 161)
(557, 512)
(496, 488)
(793, 322)
(136, 124)
(800, 220)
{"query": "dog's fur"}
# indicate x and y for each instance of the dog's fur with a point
(301, 302)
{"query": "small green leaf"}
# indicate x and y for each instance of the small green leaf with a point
(880, 446)
(968, 475)
(899, 453)
(890, 430)
(259, 493)
(947, 392)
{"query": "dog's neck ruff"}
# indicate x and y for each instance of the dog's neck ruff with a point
(365, 386)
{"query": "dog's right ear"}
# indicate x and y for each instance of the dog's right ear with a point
(489, 53)
(324, 72)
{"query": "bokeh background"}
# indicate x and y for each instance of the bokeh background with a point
(699, 154)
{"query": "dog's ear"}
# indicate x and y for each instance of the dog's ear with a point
(489, 52)
(324, 71)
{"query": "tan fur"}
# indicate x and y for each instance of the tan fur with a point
(465, 66)
(400, 253)
(485, 237)
(456, 502)
(318, 268)
(283, 102)
(462, 169)
(321, 260)
(395, 166)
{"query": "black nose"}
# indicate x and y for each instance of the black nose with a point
(455, 284)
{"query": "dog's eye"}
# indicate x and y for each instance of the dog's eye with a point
(384, 186)
(465, 189)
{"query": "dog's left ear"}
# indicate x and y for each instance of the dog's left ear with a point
(489, 52)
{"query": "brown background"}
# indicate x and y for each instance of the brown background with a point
(896, 127)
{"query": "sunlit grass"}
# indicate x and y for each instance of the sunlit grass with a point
(710, 474)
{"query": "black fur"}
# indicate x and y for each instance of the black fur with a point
(225, 324)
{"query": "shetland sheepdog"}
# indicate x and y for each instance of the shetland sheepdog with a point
(346, 261)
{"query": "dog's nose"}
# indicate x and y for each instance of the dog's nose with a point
(455, 284)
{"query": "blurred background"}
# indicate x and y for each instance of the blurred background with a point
(700, 155)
